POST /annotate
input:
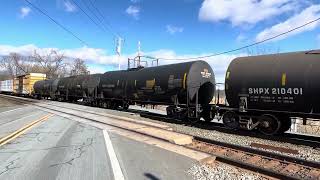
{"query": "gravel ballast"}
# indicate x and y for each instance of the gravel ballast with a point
(221, 171)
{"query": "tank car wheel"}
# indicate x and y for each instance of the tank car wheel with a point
(125, 106)
(104, 105)
(285, 124)
(269, 124)
(207, 118)
(231, 120)
(114, 105)
(206, 115)
(193, 120)
(182, 114)
(170, 111)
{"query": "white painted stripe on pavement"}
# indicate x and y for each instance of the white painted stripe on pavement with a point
(117, 172)
(11, 110)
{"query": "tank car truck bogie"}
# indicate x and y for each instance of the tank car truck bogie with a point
(176, 112)
(231, 120)
(268, 123)
(208, 112)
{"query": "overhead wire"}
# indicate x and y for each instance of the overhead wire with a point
(98, 25)
(237, 49)
(56, 22)
(104, 19)
(95, 15)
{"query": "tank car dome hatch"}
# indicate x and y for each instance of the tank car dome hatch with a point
(201, 78)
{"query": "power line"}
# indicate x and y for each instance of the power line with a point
(56, 22)
(237, 49)
(108, 25)
(87, 6)
(104, 18)
(89, 16)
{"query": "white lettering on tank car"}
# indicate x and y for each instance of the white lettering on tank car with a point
(258, 91)
(276, 91)
(205, 73)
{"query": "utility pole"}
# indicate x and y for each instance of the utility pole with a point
(139, 52)
(119, 41)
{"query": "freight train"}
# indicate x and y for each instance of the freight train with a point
(262, 92)
(186, 88)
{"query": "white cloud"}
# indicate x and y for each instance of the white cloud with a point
(174, 29)
(69, 7)
(24, 12)
(94, 69)
(309, 14)
(135, 1)
(100, 58)
(240, 38)
(133, 11)
(241, 12)
(24, 50)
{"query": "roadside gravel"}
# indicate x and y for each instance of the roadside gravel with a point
(221, 171)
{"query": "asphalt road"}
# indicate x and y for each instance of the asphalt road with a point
(17, 117)
(60, 148)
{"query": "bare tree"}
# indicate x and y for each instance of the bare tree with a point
(15, 64)
(51, 64)
(79, 67)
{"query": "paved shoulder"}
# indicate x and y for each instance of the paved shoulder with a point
(142, 161)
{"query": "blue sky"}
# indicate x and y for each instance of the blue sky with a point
(166, 28)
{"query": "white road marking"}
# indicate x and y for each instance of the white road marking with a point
(117, 172)
(11, 110)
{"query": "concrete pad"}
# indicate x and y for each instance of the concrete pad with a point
(176, 138)
(196, 155)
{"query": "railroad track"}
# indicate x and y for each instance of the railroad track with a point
(270, 164)
(298, 139)
(267, 163)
